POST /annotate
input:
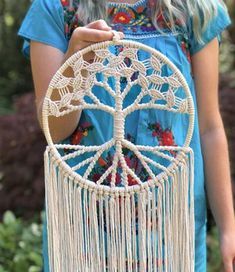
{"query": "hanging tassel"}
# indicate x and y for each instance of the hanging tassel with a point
(151, 229)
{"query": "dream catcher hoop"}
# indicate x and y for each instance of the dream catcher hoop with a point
(104, 226)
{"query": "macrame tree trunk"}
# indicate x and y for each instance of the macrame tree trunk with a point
(145, 227)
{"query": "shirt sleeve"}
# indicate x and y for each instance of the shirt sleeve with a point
(214, 29)
(44, 22)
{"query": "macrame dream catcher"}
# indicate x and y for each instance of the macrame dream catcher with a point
(103, 226)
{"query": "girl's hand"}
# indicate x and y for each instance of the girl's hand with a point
(227, 248)
(97, 31)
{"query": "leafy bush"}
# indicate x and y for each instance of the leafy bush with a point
(213, 252)
(20, 245)
(15, 75)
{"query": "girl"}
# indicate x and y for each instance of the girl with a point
(187, 32)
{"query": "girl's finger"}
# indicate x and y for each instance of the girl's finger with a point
(99, 24)
(92, 35)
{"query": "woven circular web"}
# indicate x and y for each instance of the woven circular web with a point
(129, 77)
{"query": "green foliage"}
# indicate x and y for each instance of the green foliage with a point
(20, 245)
(213, 252)
(15, 76)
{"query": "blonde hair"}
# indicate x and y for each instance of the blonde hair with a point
(201, 12)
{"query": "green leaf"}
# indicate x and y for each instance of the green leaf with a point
(9, 218)
(35, 230)
(35, 258)
(20, 244)
(2, 269)
(34, 269)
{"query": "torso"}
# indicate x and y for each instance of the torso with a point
(133, 19)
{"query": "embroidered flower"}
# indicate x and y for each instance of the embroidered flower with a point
(165, 137)
(77, 136)
(122, 18)
(65, 2)
(81, 131)
(127, 19)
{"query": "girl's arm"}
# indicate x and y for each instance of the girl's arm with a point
(46, 60)
(214, 147)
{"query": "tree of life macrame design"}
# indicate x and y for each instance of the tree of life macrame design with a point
(146, 225)
(168, 93)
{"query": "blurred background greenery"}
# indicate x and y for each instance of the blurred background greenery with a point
(22, 145)
(15, 71)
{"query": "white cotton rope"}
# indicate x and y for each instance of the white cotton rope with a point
(101, 226)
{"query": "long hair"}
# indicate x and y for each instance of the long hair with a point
(201, 12)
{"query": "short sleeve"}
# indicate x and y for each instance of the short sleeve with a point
(44, 22)
(214, 29)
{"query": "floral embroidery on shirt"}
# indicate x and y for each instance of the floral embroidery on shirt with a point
(184, 43)
(165, 137)
(71, 19)
(81, 131)
(105, 161)
(128, 19)
(138, 20)
(122, 17)
(65, 2)
(134, 18)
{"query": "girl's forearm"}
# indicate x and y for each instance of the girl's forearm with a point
(218, 181)
(60, 127)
